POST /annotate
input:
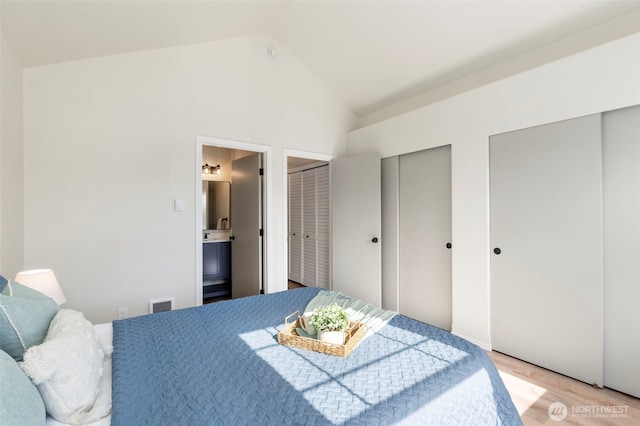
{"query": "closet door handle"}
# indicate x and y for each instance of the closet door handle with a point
(449, 245)
(497, 250)
(374, 240)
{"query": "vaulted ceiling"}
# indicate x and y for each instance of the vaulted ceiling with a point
(370, 54)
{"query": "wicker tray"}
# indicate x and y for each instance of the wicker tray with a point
(288, 336)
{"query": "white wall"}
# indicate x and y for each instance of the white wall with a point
(600, 79)
(11, 163)
(110, 143)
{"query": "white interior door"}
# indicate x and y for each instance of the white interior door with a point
(246, 222)
(295, 226)
(355, 190)
(425, 236)
(546, 238)
(323, 227)
(309, 227)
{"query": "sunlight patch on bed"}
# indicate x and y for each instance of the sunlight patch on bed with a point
(462, 391)
(266, 347)
(333, 386)
(260, 339)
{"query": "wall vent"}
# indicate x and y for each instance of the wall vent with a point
(160, 305)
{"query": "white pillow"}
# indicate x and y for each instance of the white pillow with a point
(67, 368)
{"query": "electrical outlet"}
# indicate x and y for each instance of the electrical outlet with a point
(122, 313)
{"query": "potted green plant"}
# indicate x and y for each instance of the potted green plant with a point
(331, 321)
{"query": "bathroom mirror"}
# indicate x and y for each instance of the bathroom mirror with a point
(215, 204)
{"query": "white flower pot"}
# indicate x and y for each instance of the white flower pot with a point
(335, 337)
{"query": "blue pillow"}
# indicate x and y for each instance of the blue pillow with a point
(21, 402)
(25, 315)
(3, 282)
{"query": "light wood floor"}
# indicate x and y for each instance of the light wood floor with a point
(293, 284)
(533, 389)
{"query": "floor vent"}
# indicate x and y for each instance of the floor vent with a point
(160, 305)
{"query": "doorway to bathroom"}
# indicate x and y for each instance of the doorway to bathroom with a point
(230, 206)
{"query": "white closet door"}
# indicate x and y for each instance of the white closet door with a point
(425, 231)
(621, 172)
(295, 227)
(355, 203)
(546, 221)
(309, 227)
(323, 226)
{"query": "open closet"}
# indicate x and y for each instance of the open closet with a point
(309, 219)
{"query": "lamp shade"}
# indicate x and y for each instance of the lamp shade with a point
(44, 281)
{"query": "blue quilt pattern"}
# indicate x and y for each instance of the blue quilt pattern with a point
(221, 364)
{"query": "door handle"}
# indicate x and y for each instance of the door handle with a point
(449, 245)
(374, 240)
(497, 250)
(232, 237)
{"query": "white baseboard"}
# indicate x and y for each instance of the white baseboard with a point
(483, 345)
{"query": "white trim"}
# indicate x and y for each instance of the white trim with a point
(285, 199)
(286, 152)
(483, 345)
(267, 162)
(307, 167)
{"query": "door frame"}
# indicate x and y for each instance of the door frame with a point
(267, 206)
(286, 153)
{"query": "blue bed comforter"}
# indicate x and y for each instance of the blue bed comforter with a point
(221, 364)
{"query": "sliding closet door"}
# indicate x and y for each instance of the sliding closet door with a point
(390, 223)
(546, 242)
(425, 236)
(621, 162)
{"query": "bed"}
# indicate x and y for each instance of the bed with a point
(221, 364)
